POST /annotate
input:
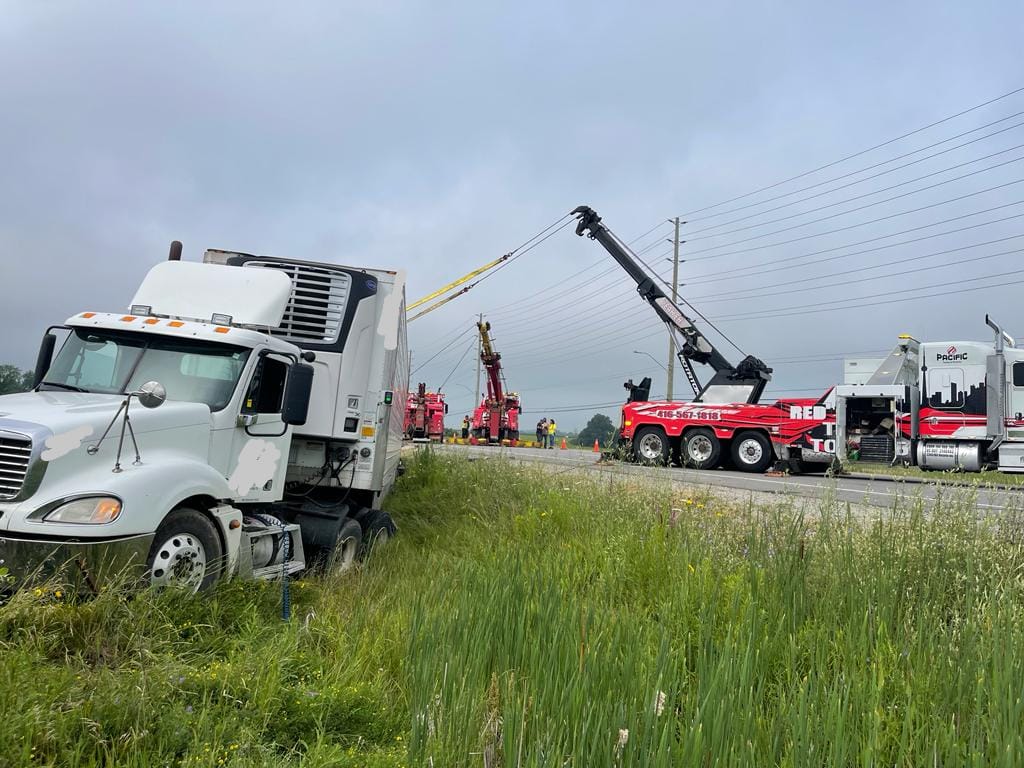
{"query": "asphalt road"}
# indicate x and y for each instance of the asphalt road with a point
(857, 491)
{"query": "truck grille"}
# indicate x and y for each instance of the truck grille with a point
(316, 306)
(15, 453)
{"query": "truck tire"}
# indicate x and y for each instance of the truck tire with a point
(651, 446)
(343, 555)
(378, 529)
(186, 552)
(752, 452)
(701, 449)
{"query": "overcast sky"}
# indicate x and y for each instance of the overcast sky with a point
(435, 136)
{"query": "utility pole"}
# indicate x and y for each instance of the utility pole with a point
(675, 296)
(478, 351)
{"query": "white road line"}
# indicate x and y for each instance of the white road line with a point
(713, 480)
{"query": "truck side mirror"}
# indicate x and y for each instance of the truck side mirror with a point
(295, 405)
(446, 408)
(44, 358)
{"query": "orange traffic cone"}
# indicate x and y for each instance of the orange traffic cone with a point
(564, 446)
(597, 445)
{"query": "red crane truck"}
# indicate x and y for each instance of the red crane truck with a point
(496, 419)
(725, 420)
(424, 415)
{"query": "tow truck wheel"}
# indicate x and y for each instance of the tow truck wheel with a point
(701, 449)
(751, 452)
(186, 552)
(650, 446)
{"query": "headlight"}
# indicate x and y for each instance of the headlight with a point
(94, 510)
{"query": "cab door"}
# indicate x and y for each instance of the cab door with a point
(261, 440)
(1016, 404)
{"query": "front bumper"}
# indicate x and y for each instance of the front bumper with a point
(86, 565)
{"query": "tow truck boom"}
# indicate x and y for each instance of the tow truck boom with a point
(744, 382)
(492, 363)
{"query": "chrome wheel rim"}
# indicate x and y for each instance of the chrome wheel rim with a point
(179, 562)
(651, 447)
(750, 451)
(699, 448)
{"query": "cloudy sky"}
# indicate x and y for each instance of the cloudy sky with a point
(437, 136)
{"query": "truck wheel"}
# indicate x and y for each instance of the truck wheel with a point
(378, 528)
(701, 449)
(186, 552)
(342, 556)
(752, 452)
(650, 446)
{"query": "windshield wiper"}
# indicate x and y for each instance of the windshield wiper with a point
(61, 385)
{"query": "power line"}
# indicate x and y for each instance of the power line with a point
(866, 168)
(691, 239)
(563, 289)
(518, 305)
(446, 346)
(487, 270)
(808, 308)
(472, 344)
(744, 272)
(505, 308)
(899, 273)
(692, 257)
(856, 154)
(652, 323)
(696, 311)
(842, 305)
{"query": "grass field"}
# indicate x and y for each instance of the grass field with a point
(540, 619)
(980, 479)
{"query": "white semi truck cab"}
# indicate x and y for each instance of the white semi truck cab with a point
(238, 419)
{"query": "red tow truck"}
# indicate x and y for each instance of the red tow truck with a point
(725, 421)
(424, 415)
(496, 419)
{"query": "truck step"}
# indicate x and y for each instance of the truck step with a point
(274, 571)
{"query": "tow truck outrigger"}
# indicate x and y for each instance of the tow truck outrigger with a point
(725, 412)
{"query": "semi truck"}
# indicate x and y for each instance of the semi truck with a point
(725, 420)
(238, 420)
(424, 415)
(949, 405)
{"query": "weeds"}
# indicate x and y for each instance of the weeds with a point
(528, 619)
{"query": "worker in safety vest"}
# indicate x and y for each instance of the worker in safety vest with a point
(465, 427)
(551, 433)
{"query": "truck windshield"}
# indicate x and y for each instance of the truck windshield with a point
(109, 362)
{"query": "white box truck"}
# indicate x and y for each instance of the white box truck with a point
(243, 418)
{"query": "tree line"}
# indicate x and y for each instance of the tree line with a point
(13, 379)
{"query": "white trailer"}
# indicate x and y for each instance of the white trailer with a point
(240, 419)
(951, 405)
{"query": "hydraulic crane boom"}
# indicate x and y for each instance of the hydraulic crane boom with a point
(729, 384)
(492, 363)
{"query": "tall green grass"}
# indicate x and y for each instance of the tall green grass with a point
(541, 619)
